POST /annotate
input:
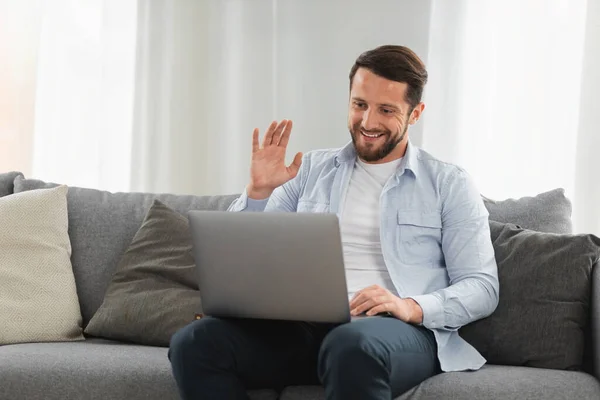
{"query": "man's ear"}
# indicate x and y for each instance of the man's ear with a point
(416, 113)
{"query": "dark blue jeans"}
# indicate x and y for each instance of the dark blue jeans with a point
(374, 358)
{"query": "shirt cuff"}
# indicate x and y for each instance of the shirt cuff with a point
(433, 310)
(245, 203)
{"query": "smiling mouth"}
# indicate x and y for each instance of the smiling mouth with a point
(371, 136)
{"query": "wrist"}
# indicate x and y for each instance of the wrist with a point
(416, 312)
(258, 193)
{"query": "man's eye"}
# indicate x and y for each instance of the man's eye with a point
(387, 111)
(360, 105)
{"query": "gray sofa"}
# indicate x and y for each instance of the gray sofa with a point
(102, 224)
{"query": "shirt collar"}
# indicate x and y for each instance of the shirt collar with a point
(410, 161)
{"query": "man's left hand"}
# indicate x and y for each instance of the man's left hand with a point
(375, 300)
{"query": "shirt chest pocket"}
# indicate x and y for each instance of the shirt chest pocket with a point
(420, 237)
(312, 206)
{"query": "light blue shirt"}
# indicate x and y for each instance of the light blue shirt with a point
(435, 237)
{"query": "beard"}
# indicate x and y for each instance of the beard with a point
(371, 152)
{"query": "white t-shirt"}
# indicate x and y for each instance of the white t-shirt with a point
(360, 223)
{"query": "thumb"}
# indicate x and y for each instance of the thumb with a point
(295, 165)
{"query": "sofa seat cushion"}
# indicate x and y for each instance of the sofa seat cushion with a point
(490, 382)
(96, 369)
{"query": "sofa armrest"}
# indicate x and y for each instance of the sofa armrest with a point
(595, 318)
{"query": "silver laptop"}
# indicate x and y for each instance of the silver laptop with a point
(270, 265)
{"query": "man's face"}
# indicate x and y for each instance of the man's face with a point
(378, 117)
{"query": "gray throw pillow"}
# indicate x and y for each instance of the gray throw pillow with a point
(545, 212)
(7, 182)
(545, 289)
(154, 291)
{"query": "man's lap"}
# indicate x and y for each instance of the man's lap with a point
(390, 351)
(385, 337)
(394, 334)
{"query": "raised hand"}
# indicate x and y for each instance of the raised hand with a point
(268, 170)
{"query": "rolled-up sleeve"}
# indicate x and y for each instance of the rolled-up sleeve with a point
(473, 292)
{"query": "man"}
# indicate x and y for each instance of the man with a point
(417, 250)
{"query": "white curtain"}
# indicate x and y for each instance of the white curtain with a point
(162, 95)
(211, 71)
(505, 99)
(20, 24)
(587, 166)
(84, 93)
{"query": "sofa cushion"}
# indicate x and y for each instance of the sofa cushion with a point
(545, 212)
(101, 227)
(507, 383)
(38, 298)
(7, 182)
(154, 291)
(490, 382)
(545, 298)
(96, 369)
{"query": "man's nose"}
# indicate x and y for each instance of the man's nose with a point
(369, 121)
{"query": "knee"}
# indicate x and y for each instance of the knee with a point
(194, 339)
(345, 345)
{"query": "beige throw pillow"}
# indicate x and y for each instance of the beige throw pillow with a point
(38, 297)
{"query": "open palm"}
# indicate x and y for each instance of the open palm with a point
(268, 170)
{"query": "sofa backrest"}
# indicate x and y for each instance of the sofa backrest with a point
(101, 227)
(548, 212)
(592, 346)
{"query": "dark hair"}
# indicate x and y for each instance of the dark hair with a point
(396, 63)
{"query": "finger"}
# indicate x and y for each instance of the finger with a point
(358, 298)
(362, 295)
(269, 135)
(381, 308)
(363, 307)
(285, 136)
(370, 303)
(356, 294)
(357, 303)
(255, 146)
(295, 165)
(277, 132)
